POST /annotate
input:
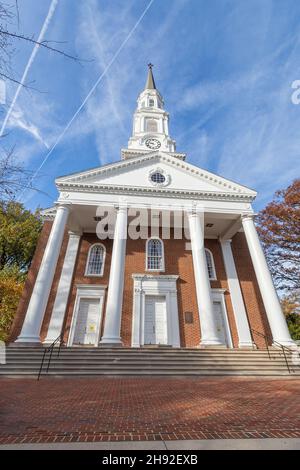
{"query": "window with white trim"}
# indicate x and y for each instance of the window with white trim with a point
(210, 264)
(155, 255)
(96, 259)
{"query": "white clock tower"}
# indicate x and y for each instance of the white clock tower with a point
(150, 123)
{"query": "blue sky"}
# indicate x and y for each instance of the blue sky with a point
(224, 67)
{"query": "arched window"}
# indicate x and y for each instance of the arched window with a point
(210, 264)
(155, 255)
(95, 261)
(151, 125)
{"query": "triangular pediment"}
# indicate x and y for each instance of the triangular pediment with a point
(136, 173)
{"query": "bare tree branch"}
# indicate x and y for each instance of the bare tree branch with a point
(13, 176)
(45, 44)
(13, 80)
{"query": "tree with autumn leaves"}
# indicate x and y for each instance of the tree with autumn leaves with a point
(279, 230)
(19, 232)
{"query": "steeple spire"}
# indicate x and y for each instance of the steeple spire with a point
(150, 123)
(150, 83)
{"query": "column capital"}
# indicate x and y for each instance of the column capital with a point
(121, 207)
(194, 212)
(63, 205)
(195, 208)
(75, 233)
(248, 216)
(190, 213)
(225, 240)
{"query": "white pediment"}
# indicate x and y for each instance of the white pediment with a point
(136, 173)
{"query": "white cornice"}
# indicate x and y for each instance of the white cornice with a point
(159, 192)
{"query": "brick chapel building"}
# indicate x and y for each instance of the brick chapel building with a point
(97, 283)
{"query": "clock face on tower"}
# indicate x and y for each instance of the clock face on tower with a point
(153, 144)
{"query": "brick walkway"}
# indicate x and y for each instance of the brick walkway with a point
(117, 409)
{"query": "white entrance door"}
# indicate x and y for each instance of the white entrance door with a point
(86, 329)
(156, 331)
(219, 318)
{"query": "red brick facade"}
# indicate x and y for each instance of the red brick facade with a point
(177, 261)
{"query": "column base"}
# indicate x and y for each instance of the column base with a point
(26, 344)
(49, 341)
(111, 341)
(289, 344)
(46, 344)
(247, 345)
(28, 339)
(212, 344)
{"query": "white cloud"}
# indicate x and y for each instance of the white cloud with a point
(18, 120)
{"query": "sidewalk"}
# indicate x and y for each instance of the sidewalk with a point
(206, 444)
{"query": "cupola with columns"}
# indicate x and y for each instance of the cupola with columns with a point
(150, 123)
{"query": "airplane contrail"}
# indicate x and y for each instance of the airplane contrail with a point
(102, 75)
(49, 16)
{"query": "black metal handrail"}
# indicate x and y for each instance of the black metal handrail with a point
(276, 343)
(50, 350)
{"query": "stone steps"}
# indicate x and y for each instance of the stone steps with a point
(162, 361)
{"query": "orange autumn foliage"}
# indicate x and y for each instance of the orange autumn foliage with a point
(279, 230)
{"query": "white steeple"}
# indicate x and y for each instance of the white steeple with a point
(150, 123)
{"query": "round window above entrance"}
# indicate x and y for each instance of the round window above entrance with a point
(158, 178)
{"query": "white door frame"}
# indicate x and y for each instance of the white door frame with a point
(85, 291)
(218, 296)
(160, 285)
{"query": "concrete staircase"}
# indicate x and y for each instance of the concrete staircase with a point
(165, 361)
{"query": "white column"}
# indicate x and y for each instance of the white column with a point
(113, 314)
(209, 334)
(137, 311)
(174, 319)
(166, 125)
(35, 312)
(161, 125)
(143, 124)
(240, 315)
(63, 288)
(275, 316)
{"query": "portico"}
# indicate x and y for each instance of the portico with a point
(201, 225)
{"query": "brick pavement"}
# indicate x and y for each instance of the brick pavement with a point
(119, 409)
